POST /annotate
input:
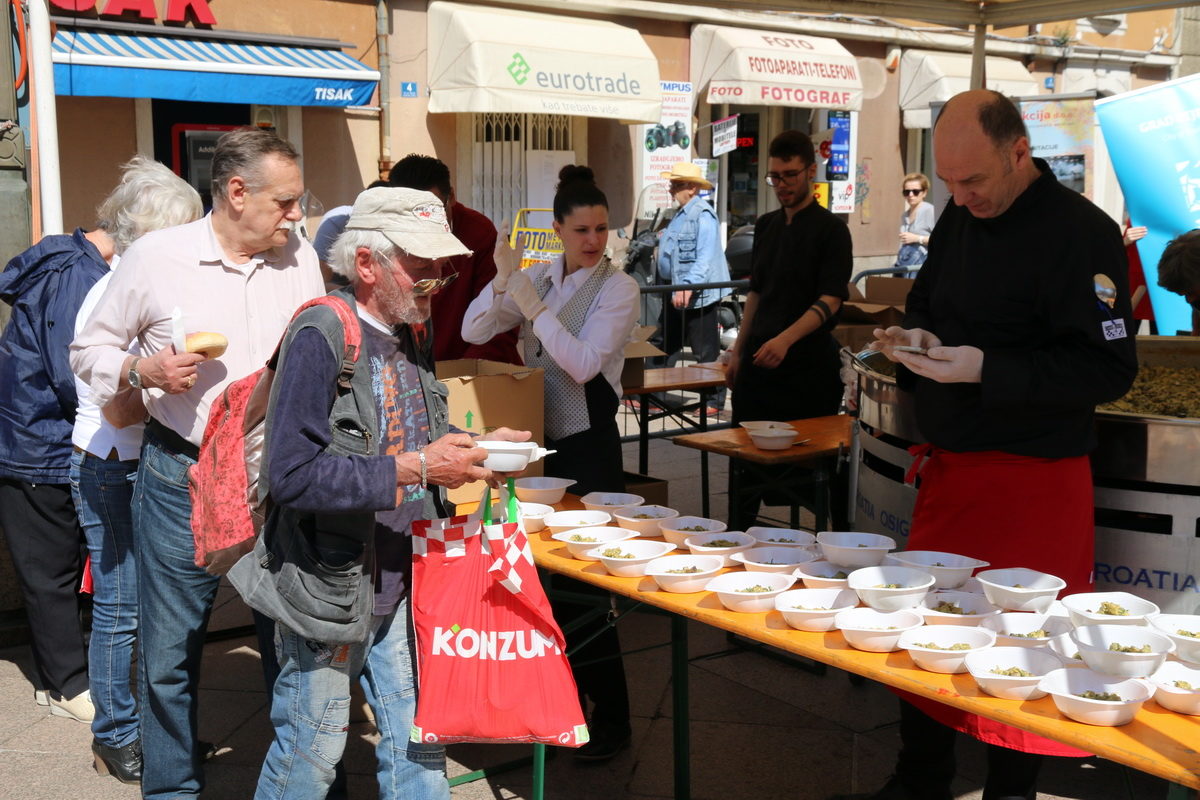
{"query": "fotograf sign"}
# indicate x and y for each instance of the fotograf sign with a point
(181, 11)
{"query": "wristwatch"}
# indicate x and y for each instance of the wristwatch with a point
(135, 377)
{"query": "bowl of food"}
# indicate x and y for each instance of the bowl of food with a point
(949, 607)
(533, 515)
(875, 631)
(1095, 699)
(890, 588)
(677, 529)
(773, 438)
(683, 574)
(1183, 630)
(628, 558)
(949, 570)
(1126, 651)
(852, 549)
(1063, 646)
(1020, 589)
(559, 521)
(749, 592)
(773, 559)
(542, 490)
(511, 456)
(944, 648)
(723, 543)
(1177, 687)
(582, 541)
(814, 609)
(782, 537)
(611, 502)
(1025, 629)
(1108, 608)
(644, 519)
(765, 425)
(822, 575)
(1012, 673)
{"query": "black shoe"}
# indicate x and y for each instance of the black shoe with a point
(123, 763)
(604, 745)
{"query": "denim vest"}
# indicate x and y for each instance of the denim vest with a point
(312, 571)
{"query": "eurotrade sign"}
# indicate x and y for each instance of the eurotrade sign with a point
(579, 82)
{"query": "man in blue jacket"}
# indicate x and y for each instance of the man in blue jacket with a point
(691, 251)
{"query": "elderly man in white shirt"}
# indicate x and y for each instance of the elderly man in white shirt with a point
(241, 272)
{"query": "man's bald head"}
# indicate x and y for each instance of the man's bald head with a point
(997, 117)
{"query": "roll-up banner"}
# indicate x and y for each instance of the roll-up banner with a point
(1153, 139)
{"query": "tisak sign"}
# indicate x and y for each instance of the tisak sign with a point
(175, 10)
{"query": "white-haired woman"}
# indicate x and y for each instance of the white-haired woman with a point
(104, 464)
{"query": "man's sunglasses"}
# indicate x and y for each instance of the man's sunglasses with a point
(911, 192)
(428, 286)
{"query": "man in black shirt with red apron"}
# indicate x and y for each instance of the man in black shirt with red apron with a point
(1021, 348)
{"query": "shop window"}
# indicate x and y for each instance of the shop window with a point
(501, 143)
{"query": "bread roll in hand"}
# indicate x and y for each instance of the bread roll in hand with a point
(206, 343)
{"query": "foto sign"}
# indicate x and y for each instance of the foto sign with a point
(724, 136)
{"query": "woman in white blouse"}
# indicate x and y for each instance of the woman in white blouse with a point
(576, 315)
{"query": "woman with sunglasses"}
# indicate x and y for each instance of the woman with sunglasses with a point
(577, 313)
(916, 222)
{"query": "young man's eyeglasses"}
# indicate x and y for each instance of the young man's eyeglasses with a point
(911, 192)
(783, 178)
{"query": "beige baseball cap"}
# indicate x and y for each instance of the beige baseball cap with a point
(413, 220)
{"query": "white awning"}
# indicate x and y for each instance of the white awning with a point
(494, 59)
(932, 77)
(774, 68)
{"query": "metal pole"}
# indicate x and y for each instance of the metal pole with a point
(680, 707)
(385, 87)
(46, 133)
(979, 57)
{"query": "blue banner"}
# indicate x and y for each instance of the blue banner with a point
(1153, 139)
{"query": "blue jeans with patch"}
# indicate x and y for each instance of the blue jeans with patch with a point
(175, 598)
(103, 493)
(310, 710)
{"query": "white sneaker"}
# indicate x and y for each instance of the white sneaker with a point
(40, 697)
(78, 708)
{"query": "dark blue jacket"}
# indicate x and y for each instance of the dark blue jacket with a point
(45, 285)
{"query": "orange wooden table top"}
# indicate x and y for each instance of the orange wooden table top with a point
(672, 379)
(828, 434)
(1158, 741)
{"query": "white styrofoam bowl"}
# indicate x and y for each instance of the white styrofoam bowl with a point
(731, 586)
(603, 535)
(560, 521)
(1065, 685)
(1009, 623)
(1040, 662)
(1093, 642)
(510, 456)
(814, 609)
(949, 570)
(875, 631)
(1020, 588)
(542, 490)
(1175, 698)
(1063, 646)
(698, 544)
(1084, 608)
(975, 607)
(854, 549)
(644, 519)
(782, 537)
(822, 575)
(765, 425)
(1186, 647)
(612, 502)
(773, 559)
(686, 582)
(869, 583)
(672, 529)
(773, 438)
(533, 515)
(643, 553)
(933, 659)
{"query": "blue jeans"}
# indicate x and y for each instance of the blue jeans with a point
(310, 710)
(174, 600)
(103, 493)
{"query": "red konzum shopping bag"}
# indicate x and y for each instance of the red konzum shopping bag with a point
(492, 664)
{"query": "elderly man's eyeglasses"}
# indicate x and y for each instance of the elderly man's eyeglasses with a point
(911, 192)
(428, 286)
(784, 178)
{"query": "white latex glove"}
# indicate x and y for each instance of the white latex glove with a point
(963, 364)
(508, 261)
(521, 290)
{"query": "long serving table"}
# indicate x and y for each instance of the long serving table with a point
(1158, 741)
(799, 473)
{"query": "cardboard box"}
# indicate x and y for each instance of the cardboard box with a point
(485, 395)
(636, 353)
(855, 337)
(654, 490)
(881, 303)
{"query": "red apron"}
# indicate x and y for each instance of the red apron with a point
(1011, 511)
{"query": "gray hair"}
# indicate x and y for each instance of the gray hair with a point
(149, 197)
(343, 251)
(240, 153)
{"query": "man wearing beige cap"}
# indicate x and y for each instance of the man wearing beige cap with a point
(350, 464)
(691, 251)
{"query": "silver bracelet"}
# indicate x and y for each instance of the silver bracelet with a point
(424, 475)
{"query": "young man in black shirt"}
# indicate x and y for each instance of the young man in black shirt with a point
(785, 363)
